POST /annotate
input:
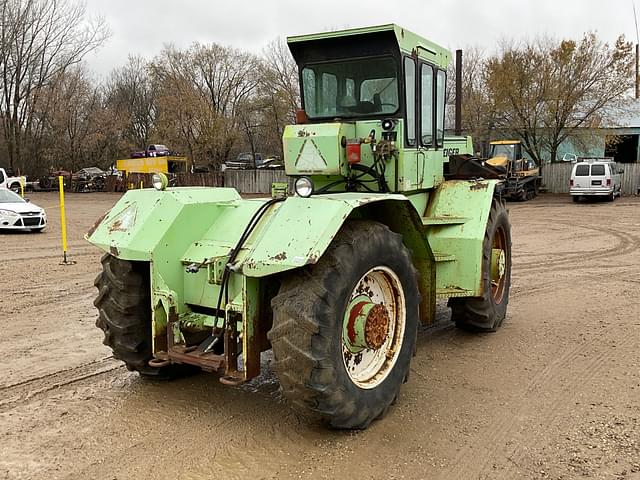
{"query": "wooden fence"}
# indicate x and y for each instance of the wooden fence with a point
(245, 181)
(255, 181)
(555, 177)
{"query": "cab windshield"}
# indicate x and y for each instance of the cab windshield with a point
(352, 88)
(503, 151)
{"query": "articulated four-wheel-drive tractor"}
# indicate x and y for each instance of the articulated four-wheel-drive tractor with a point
(389, 215)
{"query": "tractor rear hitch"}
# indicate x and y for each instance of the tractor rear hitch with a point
(202, 356)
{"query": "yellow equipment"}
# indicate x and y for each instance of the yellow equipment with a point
(164, 164)
(522, 175)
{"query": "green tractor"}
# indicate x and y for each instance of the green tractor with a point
(388, 216)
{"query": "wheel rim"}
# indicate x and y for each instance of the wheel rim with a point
(373, 327)
(499, 265)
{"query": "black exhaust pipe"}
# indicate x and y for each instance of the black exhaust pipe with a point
(458, 125)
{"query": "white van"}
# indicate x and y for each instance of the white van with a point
(595, 177)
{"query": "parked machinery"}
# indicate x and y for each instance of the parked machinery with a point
(388, 217)
(522, 175)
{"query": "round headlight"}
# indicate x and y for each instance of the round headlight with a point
(159, 181)
(303, 187)
(387, 124)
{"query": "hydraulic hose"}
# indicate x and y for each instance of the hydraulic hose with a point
(232, 257)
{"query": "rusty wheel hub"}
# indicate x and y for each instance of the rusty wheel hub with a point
(373, 327)
(376, 327)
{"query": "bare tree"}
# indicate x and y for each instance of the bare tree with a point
(545, 90)
(39, 39)
(132, 95)
(75, 133)
(281, 74)
(201, 91)
(279, 93)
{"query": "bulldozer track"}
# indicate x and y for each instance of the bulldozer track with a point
(27, 389)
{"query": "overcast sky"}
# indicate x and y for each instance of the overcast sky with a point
(144, 26)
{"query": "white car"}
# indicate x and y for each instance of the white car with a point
(16, 213)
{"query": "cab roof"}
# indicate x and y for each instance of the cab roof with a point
(407, 41)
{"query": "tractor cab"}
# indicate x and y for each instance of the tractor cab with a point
(373, 103)
(508, 151)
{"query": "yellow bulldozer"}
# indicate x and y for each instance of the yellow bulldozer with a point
(522, 175)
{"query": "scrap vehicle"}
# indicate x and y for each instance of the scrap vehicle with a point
(153, 150)
(8, 179)
(50, 181)
(244, 161)
(522, 175)
(89, 179)
(248, 161)
(272, 162)
(388, 216)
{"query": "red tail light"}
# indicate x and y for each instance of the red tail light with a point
(571, 182)
(301, 117)
(608, 182)
(353, 151)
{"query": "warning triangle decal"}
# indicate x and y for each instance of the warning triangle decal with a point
(310, 158)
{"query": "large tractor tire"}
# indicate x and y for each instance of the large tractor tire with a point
(486, 313)
(344, 329)
(124, 306)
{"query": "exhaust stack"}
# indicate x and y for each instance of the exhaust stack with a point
(458, 124)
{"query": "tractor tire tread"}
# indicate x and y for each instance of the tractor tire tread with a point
(124, 307)
(481, 314)
(304, 314)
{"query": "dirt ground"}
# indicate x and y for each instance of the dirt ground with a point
(555, 394)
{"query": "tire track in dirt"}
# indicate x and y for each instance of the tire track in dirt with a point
(489, 443)
(27, 389)
(627, 244)
(521, 287)
(566, 373)
(592, 368)
(57, 255)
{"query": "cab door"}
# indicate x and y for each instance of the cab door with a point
(431, 136)
(409, 176)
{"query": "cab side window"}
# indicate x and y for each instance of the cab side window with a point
(410, 100)
(441, 86)
(426, 102)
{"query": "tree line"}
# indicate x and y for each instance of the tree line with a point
(205, 101)
(210, 101)
(545, 91)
